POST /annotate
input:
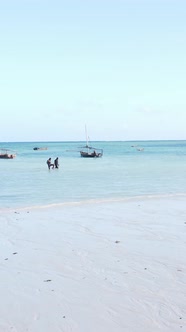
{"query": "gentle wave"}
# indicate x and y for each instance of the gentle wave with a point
(96, 201)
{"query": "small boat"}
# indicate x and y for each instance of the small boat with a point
(140, 149)
(88, 151)
(94, 154)
(36, 148)
(6, 154)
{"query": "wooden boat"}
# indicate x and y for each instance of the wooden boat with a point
(6, 154)
(88, 154)
(88, 151)
(36, 148)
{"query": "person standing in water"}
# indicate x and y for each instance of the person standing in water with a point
(49, 163)
(56, 163)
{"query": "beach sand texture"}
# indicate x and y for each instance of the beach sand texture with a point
(100, 266)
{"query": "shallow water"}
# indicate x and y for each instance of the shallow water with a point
(122, 172)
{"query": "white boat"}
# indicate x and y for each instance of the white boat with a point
(140, 149)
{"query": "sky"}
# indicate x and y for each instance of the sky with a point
(116, 66)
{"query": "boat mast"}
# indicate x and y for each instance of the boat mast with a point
(86, 138)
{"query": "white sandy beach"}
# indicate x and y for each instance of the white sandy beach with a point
(96, 267)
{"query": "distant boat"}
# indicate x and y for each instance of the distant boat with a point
(36, 148)
(6, 154)
(89, 151)
(140, 149)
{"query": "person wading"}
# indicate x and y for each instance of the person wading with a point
(49, 163)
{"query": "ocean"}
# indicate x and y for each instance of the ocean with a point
(122, 173)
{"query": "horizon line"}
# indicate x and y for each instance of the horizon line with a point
(75, 141)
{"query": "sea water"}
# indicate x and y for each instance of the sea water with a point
(127, 169)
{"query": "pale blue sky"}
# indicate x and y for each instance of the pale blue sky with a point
(118, 66)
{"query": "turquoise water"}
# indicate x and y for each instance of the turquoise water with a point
(122, 172)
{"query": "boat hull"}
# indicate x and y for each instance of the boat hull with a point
(7, 156)
(36, 148)
(90, 155)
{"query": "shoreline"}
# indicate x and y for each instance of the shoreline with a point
(97, 267)
(124, 200)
